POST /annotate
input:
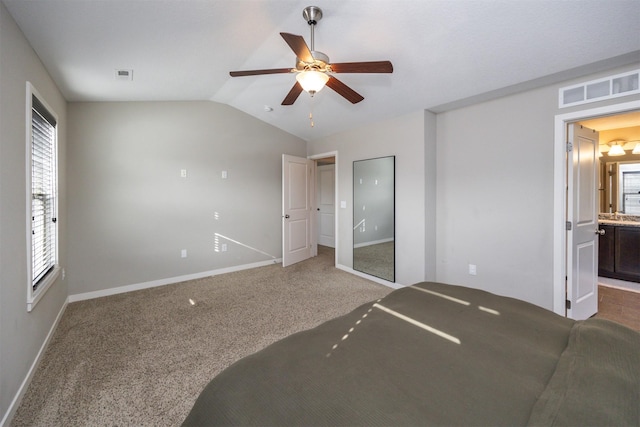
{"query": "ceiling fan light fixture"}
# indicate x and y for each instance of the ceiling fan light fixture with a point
(312, 81)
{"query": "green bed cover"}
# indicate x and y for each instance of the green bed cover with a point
(435, 354)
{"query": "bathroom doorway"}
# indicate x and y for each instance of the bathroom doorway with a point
(623, 130)
(561, 294)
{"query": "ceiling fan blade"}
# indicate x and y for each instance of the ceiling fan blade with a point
(344, 90)
(258, 72)
(293, 94)
(299, 46)
(363, 67)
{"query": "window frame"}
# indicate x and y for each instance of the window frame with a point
(46, 281)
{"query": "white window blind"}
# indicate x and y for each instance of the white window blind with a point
(631, 182)
(43, 193)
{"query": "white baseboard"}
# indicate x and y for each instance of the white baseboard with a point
(13, 407)
(369, 277)
(162, 282)
(373, 242)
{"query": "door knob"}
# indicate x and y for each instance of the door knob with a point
(600, 232)
(286, 216)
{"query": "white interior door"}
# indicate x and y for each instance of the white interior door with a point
(326, 199)
(297, 188)
(582, 217)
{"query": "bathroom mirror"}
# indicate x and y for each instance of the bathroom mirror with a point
(620, 187)
(374, 217)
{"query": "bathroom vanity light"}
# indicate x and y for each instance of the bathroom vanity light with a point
(636, 149)
(616, 149)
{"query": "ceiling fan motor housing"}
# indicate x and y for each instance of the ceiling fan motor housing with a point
(321, 62)
(312, 14)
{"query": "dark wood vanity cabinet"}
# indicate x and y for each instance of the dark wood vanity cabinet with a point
(627, 242)
(606, 251)
(619, 253)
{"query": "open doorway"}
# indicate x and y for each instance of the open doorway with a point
(326, 213)
(561, 299)
(621, 130)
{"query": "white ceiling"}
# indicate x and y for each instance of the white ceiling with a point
(443, 51)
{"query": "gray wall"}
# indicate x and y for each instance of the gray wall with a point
(495, 192)
(430, 185)
(495, 195)
(487, 195)
(130, 211)
(22, 333)
(403, 137)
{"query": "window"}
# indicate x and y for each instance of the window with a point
(597, 90)
(42, 194)
(630, 188)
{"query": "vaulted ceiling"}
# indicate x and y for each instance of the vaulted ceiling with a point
(444, 52)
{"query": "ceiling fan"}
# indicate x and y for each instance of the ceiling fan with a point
(313, 68)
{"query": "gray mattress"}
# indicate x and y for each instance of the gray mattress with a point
(435, 354)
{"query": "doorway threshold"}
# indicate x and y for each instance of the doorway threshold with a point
(619, 284)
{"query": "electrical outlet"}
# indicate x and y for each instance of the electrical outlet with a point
(183, 253)
(183, 173)
(223, 247)
(473, 269)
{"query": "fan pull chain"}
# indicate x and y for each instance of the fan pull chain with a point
(311, 114)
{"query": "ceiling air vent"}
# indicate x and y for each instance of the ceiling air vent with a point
(598, 90)
(124, 75)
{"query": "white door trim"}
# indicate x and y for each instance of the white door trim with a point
(337, 203)
(559, 192)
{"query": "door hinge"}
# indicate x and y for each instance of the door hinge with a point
(568, 304)
(568, 225)
(569, 146)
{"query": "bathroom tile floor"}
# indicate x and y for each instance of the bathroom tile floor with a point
(622, 306)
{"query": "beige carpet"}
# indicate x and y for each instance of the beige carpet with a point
(376, 260)
(142, 358)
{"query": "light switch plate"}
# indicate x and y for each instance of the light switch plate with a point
(473, 269)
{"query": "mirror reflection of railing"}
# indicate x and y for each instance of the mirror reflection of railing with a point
(374, 217)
